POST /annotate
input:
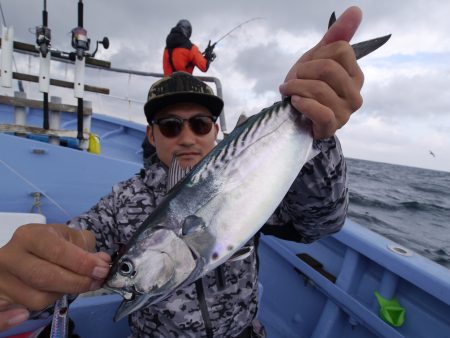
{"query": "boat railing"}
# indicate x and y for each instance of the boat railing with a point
(96, 93)
(54, 132)
(211, 79)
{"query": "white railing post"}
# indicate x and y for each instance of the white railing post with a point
(7, 56)
(20, 115)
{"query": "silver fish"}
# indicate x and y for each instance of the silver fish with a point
(216, 209)
(203, 222)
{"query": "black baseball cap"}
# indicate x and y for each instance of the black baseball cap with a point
(177, 88)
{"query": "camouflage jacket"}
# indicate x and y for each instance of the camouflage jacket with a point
(224, 302)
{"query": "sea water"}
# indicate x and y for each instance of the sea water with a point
(410, 206)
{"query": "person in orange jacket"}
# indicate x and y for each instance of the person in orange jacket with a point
(181, 54)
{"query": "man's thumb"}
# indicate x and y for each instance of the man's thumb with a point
(344, 28)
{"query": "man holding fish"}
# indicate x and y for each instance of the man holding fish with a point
(215, 282)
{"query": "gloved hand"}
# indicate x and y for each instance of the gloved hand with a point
(211, 57)
(209, 52)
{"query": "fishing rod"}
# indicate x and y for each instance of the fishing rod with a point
(81, 44)
(238, 26)
(209, 49)
(43, 40)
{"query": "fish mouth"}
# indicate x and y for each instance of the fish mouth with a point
(126, 294)
(129, 306)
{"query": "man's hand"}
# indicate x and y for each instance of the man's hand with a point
(11, 316)
(325, 83)
(211, 57)
(209, 52)
(42, 262)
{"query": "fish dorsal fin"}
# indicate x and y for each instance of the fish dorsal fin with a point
(242, 118)
(332, 20)
(176, 173)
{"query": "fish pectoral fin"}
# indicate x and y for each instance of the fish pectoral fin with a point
(129, 306)
(191, 224)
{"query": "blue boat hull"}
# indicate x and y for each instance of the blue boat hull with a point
(323, 289)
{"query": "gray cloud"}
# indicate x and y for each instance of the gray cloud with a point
(415, 96)
(406, 80)
(265, 64)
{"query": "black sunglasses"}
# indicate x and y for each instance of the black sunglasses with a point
(173, 125)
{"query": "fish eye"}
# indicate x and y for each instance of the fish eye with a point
(126, 268)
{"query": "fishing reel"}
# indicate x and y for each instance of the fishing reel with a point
(43, 38)
(80, 42)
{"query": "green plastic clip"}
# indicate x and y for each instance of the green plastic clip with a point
(391, 311)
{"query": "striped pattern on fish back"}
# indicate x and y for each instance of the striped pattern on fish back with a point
(240, 139)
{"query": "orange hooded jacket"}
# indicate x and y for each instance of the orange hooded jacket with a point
(185, 60)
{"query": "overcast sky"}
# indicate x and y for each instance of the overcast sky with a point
(406, 110)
